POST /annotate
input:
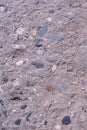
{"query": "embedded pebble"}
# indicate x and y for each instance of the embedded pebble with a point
(34, 32)
(40, 52)
(66, 120)
(4, 113)
(20, 62)
(23, 106)
(28, 115)
(15, 98)
(2, 8)
(17, 46)
(49, 19)
(45, 122)
(5, 80)
(20, 31)
(47, 104)
(50, 10)
(54, 67)
(1, 102)
(38, 43)
(16, 82)
(37, 64)
(58, 127)
(43, 30)
(17, 122)
(48, 88)
(30, 37)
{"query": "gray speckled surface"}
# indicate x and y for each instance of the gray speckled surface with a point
(57, 89)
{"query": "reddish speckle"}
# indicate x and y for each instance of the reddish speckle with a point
(48, 88)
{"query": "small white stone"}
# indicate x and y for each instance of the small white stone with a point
(34, 90)
(40, 52)
(54, 67)
(31, 38)
(20, 62)
(20, 31)
(70, 13)
(30, 99)
(17, 46)
(13, 110)
(49, 19)
(16, 82)
(2, 8)
(58, 127)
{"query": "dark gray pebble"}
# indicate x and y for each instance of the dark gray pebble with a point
(45, 122)
(28, 115)
(51, 10)
(17, 122)
(37, 64)
(23, 106)
(66, 120)
(4, 113)
(1, 102)
(5, 80)
(38, 43)
(16, 98)
(43, 30)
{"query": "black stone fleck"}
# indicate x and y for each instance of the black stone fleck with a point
(28, 115)
(45, 122)
(66, 120)
(23, 106)
(38, 43)
(1, 102)
(15, 98)
(37, 64)
(17, 122)
(5, 80)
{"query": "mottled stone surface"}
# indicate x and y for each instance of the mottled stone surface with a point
(43, 65)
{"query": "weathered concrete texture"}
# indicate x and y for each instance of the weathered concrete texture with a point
(43, 65)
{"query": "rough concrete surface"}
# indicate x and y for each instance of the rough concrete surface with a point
(43, 64)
